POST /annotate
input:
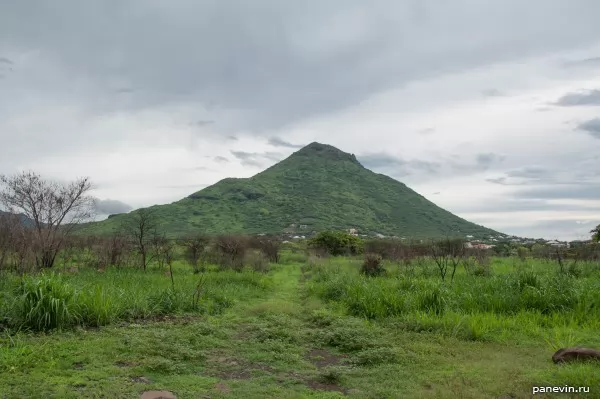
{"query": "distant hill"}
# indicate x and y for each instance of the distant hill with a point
(316, 188)
(24, 219)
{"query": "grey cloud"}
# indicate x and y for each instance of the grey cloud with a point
(401, 167)
(586, 62)
(380, 161)
(397, 166)
(428, 130)
(483, 162)
(425, 166)
(563, 191)
(531, 172)
(220, 159)
(4, 60)
(497, 180)
(587, 97)
(492, 93)
(503, 181)
(537, 175)
(255, 158)
(202, 123)
(125, 90)
(109, 207)
(567, 229)
(489, 159)
(515, 205)
(247, 57)
(592, 127)
(277, 142)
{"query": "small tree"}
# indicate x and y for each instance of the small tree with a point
(54, 209)
(141, 227)
(445, 253)
(195, 246)
(269, 246)
(596, 234)
(337, 243)
(160, 245)
(230, 250)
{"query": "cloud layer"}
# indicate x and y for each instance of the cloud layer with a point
(152, 100)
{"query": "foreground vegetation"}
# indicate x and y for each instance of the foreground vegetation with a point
(308, 326)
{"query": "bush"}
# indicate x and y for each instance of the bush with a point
(337, 243)
(45, 303)
(375, 356)
(269, 246)
(256, 260)
(432, 301)
(372, 265)
(230, 251)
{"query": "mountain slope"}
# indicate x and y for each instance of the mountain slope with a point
(318, 187)
(24, 219)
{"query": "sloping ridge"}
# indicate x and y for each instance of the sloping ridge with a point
(318, 187)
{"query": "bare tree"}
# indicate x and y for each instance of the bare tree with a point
(54, 208)
(195, 246)
(445, 253)
(9, 226)
(141, 227)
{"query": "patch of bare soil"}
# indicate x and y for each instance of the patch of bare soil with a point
(221, 387)
(78, 366)
(183, 320)
(122, 363)
(243, 334)
(322, 386)
(323, 358)
(230, 368)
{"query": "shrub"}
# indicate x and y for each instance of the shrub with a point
(432, 301)
(375, 356)
(230, 251)
(269, 246)
(256, 260)
(347, 336)
(45, 303)
(337, 243)
(331, 375)
(372, 265)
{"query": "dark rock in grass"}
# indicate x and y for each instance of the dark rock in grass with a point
(570, 354)
(157, 395)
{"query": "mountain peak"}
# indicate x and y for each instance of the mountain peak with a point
(318, 187)
(316, 149)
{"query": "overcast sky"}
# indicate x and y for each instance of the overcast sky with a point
(490, 109)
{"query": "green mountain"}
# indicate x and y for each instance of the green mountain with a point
(316, 188)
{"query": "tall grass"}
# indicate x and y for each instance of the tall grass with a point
(472, 307)
(51, 301)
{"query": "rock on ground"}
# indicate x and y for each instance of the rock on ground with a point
(570, 354)
(158, 395)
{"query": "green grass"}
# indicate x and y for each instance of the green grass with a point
(303, 330)
(319, 187)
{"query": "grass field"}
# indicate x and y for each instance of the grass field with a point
(309, 328)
